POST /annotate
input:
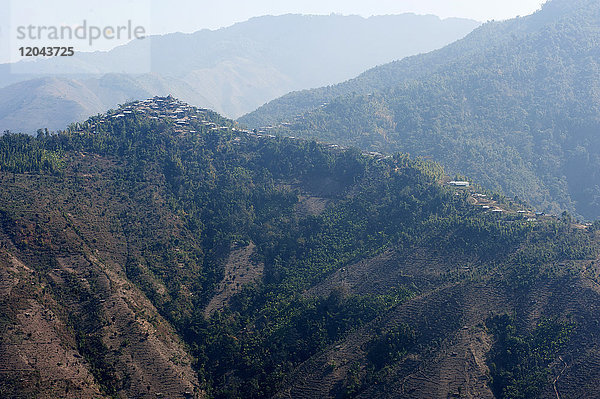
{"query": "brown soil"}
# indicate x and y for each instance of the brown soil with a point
(240, 270)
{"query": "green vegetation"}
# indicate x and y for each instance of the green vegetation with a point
(390, 347)
(261, 348)
(520, 362)
(21, 153)
(217, 187)
(513, 105)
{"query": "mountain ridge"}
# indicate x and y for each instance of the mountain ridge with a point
(232, 70)
(510, 105)
(373, 269)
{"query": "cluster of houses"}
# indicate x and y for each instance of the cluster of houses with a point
(184, 116)
(186, 119)
(489, 205)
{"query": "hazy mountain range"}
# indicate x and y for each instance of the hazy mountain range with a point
(232, 70)
(514, 105)
(158, 250)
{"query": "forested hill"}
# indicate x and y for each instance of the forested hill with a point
(514, 105)
(158, 250)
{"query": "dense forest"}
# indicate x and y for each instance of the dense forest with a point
(183, 200)
(514, 105)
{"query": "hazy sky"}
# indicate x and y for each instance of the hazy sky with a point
(191, 15)
(209, 14)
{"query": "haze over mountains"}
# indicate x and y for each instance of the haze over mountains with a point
(232, 70)
(159, 250)
(515, 105)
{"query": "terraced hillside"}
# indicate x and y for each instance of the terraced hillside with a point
(158, 250)
(450, 354)
(74, 324)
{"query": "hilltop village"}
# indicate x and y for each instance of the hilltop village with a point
(182, 115)
(187, 119)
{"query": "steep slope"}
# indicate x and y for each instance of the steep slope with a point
(385, 76)
(74, 325)
(158, 250)
(31, 104)
(232, 70)
(514, 105)
(447, 353)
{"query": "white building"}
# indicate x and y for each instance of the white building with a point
(459, 183)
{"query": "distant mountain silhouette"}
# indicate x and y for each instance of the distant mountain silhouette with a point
(232, 70)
